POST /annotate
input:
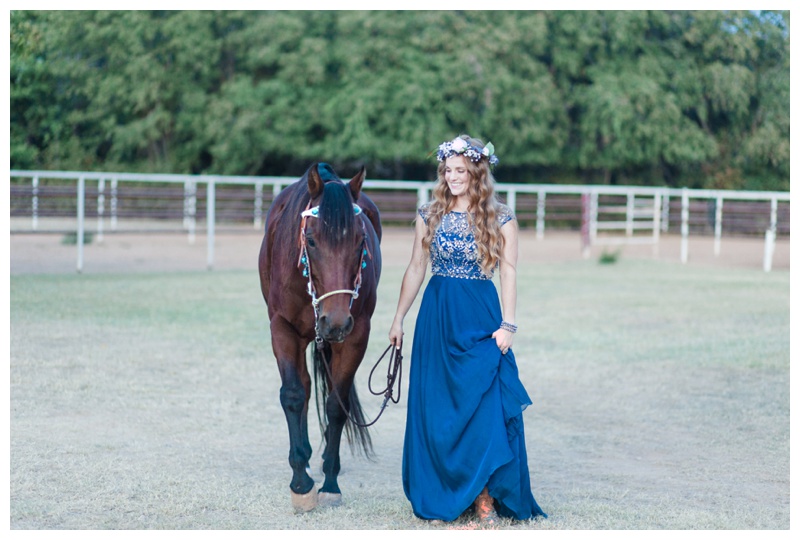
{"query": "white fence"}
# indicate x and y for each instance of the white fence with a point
(645, 209)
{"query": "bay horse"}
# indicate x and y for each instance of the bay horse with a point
(319, 266)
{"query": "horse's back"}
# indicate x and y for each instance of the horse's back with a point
(372, 213)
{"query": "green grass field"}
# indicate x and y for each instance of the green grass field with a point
(150, 401)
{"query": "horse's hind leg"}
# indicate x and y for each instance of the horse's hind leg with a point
(295, 393)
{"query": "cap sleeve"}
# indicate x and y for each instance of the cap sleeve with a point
(423, 211)
(504, 214)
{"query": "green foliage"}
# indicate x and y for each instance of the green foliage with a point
(71, 239)
(609, 257)
(677, 98)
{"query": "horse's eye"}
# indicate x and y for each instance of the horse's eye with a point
(310, 241)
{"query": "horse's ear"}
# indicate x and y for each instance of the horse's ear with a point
(356, 182)
(315, 184)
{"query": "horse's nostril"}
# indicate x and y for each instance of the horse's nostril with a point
(335, 332)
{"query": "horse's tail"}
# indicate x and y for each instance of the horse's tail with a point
(355, 429)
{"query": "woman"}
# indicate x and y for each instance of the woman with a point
(464, 441)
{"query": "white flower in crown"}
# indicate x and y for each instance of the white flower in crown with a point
(459, 145)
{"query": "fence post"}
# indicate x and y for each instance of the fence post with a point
(35, 204)
(540, 200)
(685, 225)
(656, 222)
(81, 215)
(511, 199)
(258, 205)
(101, 201)
(717, 226)
(665, 213)
(113, 204)
(586, 217)
(210, 219)
(629, 215)
(422, 196)
(773, 215)
(190, 208)
(769, 249)
(594, 202)
(769, 240)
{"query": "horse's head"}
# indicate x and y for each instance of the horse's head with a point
(334, 249)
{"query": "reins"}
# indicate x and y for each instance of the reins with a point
(394, 373)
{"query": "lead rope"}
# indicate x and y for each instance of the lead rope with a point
(394, 375)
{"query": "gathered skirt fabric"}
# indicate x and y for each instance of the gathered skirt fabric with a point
(464, 426)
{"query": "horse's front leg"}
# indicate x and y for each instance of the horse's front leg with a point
(289, 350)
(345, 359)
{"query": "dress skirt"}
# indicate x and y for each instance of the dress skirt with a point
(464, 427)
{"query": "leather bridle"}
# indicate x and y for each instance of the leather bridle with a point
(305, 262)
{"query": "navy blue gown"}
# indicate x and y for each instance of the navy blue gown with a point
(464, 427)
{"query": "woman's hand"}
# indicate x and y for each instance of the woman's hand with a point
(396, 334)
(504, 339)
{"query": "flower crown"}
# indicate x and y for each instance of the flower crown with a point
(459, 146)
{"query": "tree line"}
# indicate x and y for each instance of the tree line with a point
(673, 98)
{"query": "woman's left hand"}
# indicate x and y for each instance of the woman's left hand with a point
(504, 339)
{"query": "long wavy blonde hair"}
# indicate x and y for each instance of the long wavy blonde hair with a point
(483, 209)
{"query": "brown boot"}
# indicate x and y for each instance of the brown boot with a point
(484, 508)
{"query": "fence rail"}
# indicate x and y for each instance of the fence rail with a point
(603, 214)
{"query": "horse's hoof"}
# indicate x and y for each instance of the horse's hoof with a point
(304, 502)
(329, 499)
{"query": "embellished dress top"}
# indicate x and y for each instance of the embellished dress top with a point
(464, 426)
(453, 249)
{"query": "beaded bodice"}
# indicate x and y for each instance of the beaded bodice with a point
(453, 249)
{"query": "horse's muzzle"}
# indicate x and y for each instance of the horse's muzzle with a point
(333, 332)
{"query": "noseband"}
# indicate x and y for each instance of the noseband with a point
(306, 263)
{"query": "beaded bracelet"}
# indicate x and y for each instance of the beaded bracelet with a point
(508, 326)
